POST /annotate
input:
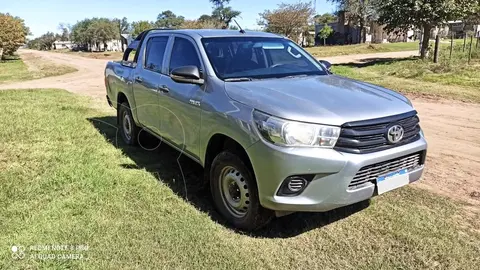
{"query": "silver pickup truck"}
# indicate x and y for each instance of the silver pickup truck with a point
(274, 129)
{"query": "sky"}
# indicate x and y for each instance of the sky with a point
(45, 15)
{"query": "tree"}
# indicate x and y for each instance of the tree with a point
(140, 26)
(13, 33)
(44, 42)
(472, 17)
(325, 18)
(201, 24)
(47, 40)
(424, 14)
(168, 19)
(95, 31)
(205, 17)
(223, 13)
(123, 28)
(66, 29)
(359, 12)
(325, 33)
(79, 34)
(102, 30)
(289, 20)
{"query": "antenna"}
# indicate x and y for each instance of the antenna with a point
(241, 30)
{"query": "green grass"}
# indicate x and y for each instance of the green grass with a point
(337, 50)
(66, 180)
(17, 70)
(452, 79)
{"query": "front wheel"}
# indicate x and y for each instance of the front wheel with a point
(235, 193)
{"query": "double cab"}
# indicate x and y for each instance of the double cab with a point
(275, 130)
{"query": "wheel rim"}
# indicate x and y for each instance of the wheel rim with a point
(234, 190)
(127, 125)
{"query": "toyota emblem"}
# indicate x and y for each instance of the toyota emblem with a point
(395, 134)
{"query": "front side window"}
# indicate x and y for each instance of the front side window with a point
(183, 54)
(155, 52)
(259, 57)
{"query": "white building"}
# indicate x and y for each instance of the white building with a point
(58, 45)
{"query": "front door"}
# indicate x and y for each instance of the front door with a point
(183, 100)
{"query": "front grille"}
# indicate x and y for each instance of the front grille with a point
(371, 172)
(371, 135)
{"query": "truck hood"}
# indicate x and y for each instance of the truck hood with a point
(327, 99)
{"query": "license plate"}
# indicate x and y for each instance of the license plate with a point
(392, 181)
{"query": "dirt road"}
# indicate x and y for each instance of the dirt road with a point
(452, 128)
(88, 80)
(343, 59)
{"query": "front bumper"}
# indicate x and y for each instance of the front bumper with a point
(333, 172)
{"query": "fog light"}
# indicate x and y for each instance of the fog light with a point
(294, 185)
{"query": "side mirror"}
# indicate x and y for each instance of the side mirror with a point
(187, 74)
(326, 64)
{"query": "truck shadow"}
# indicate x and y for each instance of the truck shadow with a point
(185, 177)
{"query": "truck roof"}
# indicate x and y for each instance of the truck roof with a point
(217, 32)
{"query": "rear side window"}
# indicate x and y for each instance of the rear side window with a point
(155, 53)
(183, 54)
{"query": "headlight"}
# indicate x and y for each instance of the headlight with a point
(290, 133)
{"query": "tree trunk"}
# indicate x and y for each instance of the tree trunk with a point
(425, 41)
(360, 35)
(324, 42)
(363, 32)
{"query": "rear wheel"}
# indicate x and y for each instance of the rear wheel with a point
(235, 193)
(128, 128)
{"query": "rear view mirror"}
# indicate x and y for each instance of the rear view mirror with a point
(187, 74)
(326, 64)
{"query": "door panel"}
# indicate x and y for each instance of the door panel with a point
(146, 98)
(183, 117)
(183, 100)
(147, 79)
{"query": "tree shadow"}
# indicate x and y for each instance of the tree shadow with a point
(185, 178)
(7, 58)
(367, 62)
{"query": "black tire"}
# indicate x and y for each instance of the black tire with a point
(124, 112)
(255, 215)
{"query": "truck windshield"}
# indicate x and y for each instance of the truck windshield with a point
(259, 58)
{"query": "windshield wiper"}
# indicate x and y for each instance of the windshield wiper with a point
(294, 76)
(244, 79)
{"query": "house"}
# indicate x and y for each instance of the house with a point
(344, 31)
(59, 45)
(457, 28)
(112, 45)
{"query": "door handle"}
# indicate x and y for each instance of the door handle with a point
(164, 88)
(138, 79)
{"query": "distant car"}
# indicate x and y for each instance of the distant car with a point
(274, 129)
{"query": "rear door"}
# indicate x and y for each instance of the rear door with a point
(149, 75)
(183, 100)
